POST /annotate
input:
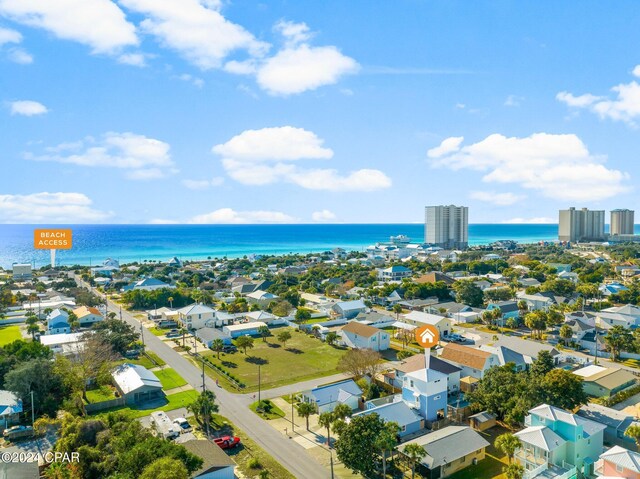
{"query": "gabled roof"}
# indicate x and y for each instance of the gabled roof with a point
(464, 355)
(622, 457)
(331, 392)
(213, 457)
(556, 414)
(350, 305)
(417, 362)
(9, 403)
(360, 329)
(83, 311)
(196, 309)
(131, 377)
(424, 318)
(541, 437)
(150, 282)
(259, 316)
(259, 294)
(505, 355)
(506, 306)
(398, 412)
(606, 415)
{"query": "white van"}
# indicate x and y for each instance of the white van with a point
(163, 426)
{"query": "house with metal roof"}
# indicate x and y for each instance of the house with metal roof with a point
(58, 322)
(418, 318)
(136, 383)
(196, 316)
(348, 309)
(263, 298)
(147, 284)
(407, 418)
(362, 336)
(616, 423)
(558, 442)
(449, 450)
(618, 462)
(327, 397)
(394, 273)
(416, 362)
(506, 355)
(10, 409)
(598, 381)
(208, 335)
(88, 316)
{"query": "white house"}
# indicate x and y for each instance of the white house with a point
(87, 316)
(195, 316)
(394, 273)
(58, 322)
(348, 309)
(260, 297)
(362, 336)
(244, 329)
(418, 318)
(136, 383)
(148, 284)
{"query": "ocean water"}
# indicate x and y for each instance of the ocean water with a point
(93, 243)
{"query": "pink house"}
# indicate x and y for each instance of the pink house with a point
(618, 462)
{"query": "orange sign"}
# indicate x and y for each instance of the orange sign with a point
(427, 336)
(52, 239)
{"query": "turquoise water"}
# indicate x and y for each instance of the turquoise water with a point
(93, 243)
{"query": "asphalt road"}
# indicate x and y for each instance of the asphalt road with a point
(290, 454)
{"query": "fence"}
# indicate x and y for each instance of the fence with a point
(102, 405)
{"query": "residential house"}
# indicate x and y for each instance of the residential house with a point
(196, 316)
(608, 289)
(107, 268)
(506, 355)
(362, 336)
(434, 277)
(348, 309)
(374, 318)
(618, 462)
(208, 335)
(394, 273)
(244, 329)
(418, 318)
(626, 310)
(579, 328)
(216, 464)
(426, 391)
(398, 411)
(473, 362)
(58, 322)
(147, 284)
(508, 309)
(262, 298)
(569, 275)
(87, 316)
(10, 409)
(616, 423)
(607, 320)
(136, 384)
(67, 344)
(529, 282)
(529, 349)
(175, 262)
(535, 302)
(598, 381)
(416, 362)
(449, 450)
(418, 304)
(261, 316)
(558, 442)
(327, 397)
(21, 271)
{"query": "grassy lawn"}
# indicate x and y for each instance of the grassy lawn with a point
(303, 358)
(158, 331)
(494, 461)
(171, 402)
(274, 412)
(104, 393)
(148, 360)
(249, 450)
(9, 334)
(169, 378)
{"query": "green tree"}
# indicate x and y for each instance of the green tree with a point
(326, 419)
(513, 471)
(397, 309)
(244, 343)
(414, 452)
(331, 338)
(116, 332)
(217, 345)
(633, 432)
(32, 326)
(618, 339)
(356, 446)
(386, 441)
(302, 314)
(342, 411)
(306, 409)
(165, 468)
(73, 321)
(566, 333)
(542, 364)
(562, 389)
(404, 354)
(468, 293)
(203, 407)
(536, 321)
(507, 443)
(283, 337)
(264, 332)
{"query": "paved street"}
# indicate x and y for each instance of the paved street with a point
(234, 406)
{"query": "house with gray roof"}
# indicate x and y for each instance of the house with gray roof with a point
(506, 355)
(10, 409)
(348, 309)
(208, 335)
(407, 418)
(327, 397)
(136, 383)
(449, 450)
(616, 423)
(216, 464)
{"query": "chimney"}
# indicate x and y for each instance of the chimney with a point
(427, 358)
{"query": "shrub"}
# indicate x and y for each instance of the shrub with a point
(254, 463)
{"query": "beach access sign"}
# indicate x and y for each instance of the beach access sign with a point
(427, 336)
(52, 239)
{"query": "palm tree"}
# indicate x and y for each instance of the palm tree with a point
(315, 330)
(306, 409)
(414, 452)
(386, 441)
(513, 471)
(244, 342)
(331, 338)
(325, 420)
(507, 443)
(73, 321)
(32, 326)
(170, 299)
(566, 333)
(264, 332)
(203, 407)
(184, 332)
(217, 345)
(633, 432)
(283, 337)
(397, 309)
(342, 411)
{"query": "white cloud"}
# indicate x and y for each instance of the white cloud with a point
(28, 108)
(447, 146)
(513, 100)
(143, 158)
(195, 29)
(269, 155)
(99, 24)
(624, 106)
(49, 208)
(20, 55)
(293, 33)
(8, 35)
(303, 67)
(133, 59)
(231, 216)
(15, 54)
(558, 166)
(195, 81)
(531, 221)
(202, 184)
(499, 199)
(279, 143)
(323, 216)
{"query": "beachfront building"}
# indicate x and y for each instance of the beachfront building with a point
(447, 226)
(581, 225)
(21, 271)
(621, 222)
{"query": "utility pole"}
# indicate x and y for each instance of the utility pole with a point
(293, 424)
(259, 382)
(331, 456)
(33, 415)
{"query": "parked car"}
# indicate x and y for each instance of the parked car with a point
(182, 424)
(132, 354)
(17, 432)
(174, 333)
(227, 442)
(229, 348)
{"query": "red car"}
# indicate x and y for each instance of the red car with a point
(227, 442)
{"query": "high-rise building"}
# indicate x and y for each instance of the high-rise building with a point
(447, 226)
(581, 225)
(621, 222)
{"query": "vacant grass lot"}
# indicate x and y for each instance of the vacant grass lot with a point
(104, 393)
(169, 378)
(304, 357)
(9, 334)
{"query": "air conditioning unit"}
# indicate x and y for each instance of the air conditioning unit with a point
(474, 461)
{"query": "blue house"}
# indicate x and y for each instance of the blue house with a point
(509, 309)
(58, 322)
(327, 397)
(407, 418)
(612, 288)
(426, 391)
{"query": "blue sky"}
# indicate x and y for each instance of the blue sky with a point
(209, 111)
